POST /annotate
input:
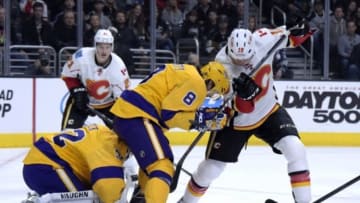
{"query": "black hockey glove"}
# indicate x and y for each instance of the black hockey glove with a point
(300, 29)
(81, 98)
(245, 87)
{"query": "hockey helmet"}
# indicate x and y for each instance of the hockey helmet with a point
(104, 36)
(240, 44)
(216, 78)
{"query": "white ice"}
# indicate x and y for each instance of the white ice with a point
(258, 175)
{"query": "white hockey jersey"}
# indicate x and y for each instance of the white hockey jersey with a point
(104, 84)
(266, 102)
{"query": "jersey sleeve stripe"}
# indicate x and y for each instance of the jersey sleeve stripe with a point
(137, 100)
(48, 151)
(106, 172)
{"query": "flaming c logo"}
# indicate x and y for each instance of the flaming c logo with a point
(98, 89)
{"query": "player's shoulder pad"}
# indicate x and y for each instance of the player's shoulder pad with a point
(117, 58)
(78, 53)
(221, 56)
(84, 52)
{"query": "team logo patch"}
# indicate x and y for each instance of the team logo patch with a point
(217, 145)
(142, 153)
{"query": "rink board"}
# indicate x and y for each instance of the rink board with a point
(185, 138)
(325, 112)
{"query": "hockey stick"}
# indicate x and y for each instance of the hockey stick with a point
(338, 189)
(106, 119)
(273, 48)
(179, 164)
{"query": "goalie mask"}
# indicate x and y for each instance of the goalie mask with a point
(240, 46)
(216, 78)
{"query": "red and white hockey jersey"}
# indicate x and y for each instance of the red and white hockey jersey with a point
(251, 114)
(104, 84)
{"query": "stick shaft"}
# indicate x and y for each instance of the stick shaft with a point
(178, 168)
(338, 189)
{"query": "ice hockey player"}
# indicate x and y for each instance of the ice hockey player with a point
(255, 111)
(96, 76)
(171, 96)
(77, 160)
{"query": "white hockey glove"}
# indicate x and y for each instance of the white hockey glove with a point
(210, 116)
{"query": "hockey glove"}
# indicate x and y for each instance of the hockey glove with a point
(300, 29)
(299, 34)
(209, 119)
(81, 99)
(245, 87)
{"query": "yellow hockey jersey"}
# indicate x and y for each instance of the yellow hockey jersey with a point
(169, 96)
(85, 150)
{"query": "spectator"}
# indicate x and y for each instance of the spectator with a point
(214, 44)
(350, 11)
(191, 28)
(98, 8)
(317, 22)
(337, 28)
(65, 32)
(238, 21)
(136, 21)
(172, 14)
(354, 67)
(345, 45)
(209, 30)
(37, 31)
(15, 25)
(132, 3)
(253, 23)
(125, 39)
(110, 9)
(68, 5)
(174, 17)
(163, 34)
(202, 8)
(357, 20)
(41, 66)
(94, 23)
(2, 27)
(186, 6)
(229, 9)
(27, 7)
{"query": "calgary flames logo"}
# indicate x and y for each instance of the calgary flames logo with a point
(98, 89)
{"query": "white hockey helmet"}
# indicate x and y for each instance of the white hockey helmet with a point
(241, 45)
(104, 36)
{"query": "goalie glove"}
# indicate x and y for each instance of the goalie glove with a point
(81, 99)
(245, 87)
(210, 116)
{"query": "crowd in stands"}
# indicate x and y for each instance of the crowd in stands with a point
(53, 23)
